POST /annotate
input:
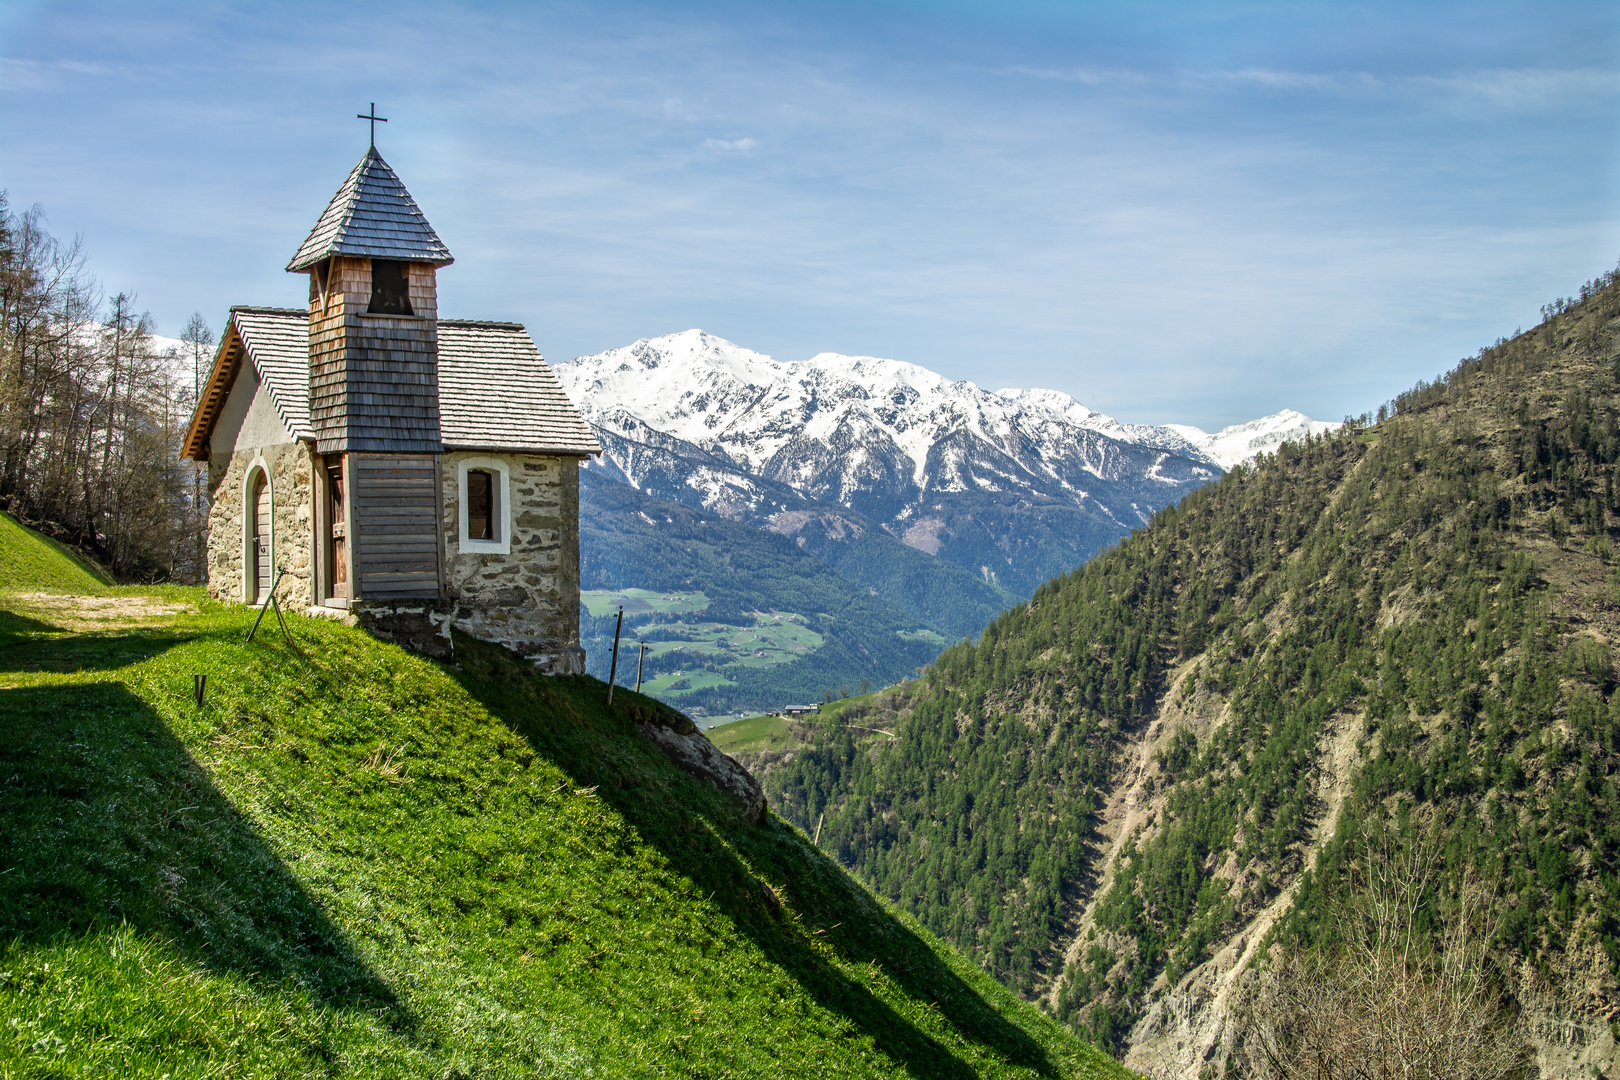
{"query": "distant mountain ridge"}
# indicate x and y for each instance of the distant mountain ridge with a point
(1245, 442)
(1015, 486)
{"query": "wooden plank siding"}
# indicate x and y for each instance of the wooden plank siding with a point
(373, 379)
(396, 539)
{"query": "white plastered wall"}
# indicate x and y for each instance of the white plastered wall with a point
(248, 419)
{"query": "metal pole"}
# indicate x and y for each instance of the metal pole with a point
(639, 661)
(266, 605)
(613, 670)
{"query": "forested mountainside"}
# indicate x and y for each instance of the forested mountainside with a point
(1202, 752)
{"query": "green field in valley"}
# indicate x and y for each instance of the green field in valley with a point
(773, 639)
(697, 585)
(683, 657)
(604, 602)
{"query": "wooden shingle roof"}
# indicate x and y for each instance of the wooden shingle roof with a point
(277, 340)
(496, 392)
(372, 216)
(271, 340)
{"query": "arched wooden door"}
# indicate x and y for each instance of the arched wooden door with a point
(259, 549)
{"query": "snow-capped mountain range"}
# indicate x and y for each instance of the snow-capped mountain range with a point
(1014, 485)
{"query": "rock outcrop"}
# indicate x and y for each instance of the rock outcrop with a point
(688, 748)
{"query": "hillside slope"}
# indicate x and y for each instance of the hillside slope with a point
(350, 861)
(1400, 635)
(29, 560)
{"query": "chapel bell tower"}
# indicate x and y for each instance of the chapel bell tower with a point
(372, 261)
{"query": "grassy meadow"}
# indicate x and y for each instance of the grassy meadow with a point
(752, 734)
(351, 861)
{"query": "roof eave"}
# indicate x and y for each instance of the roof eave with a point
(538, 451)
(206, 412)
(304, 265)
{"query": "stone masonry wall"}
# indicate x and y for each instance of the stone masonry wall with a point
(292, 532)
(528, 600)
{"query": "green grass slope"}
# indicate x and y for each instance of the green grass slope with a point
(353, 862)
(30, 561)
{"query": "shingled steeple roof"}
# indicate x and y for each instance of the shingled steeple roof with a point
(373, 217)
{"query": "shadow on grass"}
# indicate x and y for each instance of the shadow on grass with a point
(566, 721)
(23, 648)
(108, 819)
(17, 628)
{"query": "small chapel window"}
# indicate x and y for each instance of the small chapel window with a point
(390, 292)
(480, 505)
(485, 528)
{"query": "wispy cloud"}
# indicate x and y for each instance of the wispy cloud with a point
(1173, 218)
(21, 74)
(1087, 76)
(1501, 86)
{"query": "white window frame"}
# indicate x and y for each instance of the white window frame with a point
(502, 544)
(250, 514)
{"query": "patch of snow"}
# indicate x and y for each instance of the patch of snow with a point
(1245, 442)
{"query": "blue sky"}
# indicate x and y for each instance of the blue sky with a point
(1181, 212)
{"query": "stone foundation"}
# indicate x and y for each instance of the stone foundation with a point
(422, 626)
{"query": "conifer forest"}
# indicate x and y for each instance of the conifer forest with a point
(1349, 710)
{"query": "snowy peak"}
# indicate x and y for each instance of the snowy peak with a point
(1058, 404)
(1245, 442)
(1013, 485)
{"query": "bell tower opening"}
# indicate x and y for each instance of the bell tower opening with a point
(390, 288)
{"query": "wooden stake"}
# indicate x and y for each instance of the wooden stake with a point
(200, 686)
(639, 660)
(819, 820)
(613, 669)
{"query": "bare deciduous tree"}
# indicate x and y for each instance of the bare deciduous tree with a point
(1410, 993)
(199, 342)
(90, 412)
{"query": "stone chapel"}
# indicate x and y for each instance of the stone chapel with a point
(408, 473)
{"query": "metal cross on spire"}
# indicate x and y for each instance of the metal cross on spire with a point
(373, 117)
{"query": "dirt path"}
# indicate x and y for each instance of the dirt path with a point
(87, 613)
